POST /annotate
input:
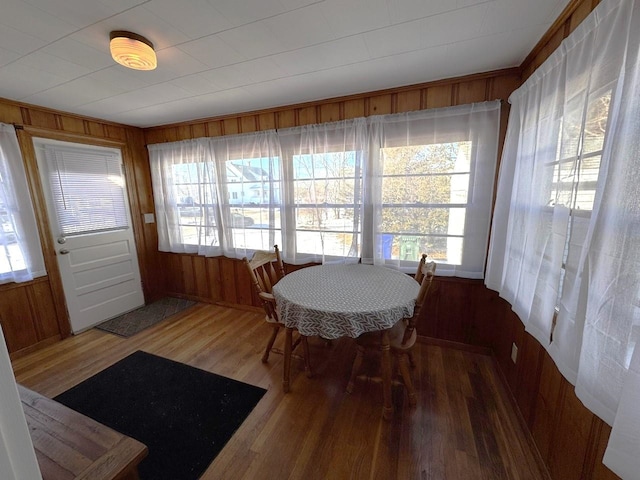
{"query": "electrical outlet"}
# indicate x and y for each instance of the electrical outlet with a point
(514, 352)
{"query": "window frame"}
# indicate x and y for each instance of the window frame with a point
(452, 138)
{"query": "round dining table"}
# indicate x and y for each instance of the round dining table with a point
(332, 301)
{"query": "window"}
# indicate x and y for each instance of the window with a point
(431, 187)
(20, 254)
(326, 215)
(425, 190)
(252, 201)
(11, 259)
(573, 175)
(195, 216)
(378, 190)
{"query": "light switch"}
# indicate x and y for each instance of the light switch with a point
(149, 218)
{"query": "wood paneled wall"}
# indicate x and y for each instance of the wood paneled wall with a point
(570, 439)
(573, 14)
(28, 314)
(444, 93)
(34, 313)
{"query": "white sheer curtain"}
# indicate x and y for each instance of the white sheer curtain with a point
(21, 255)
(249, 169)
(431, 177)
(381, 189)
(204, 188)
(566, 229)
(323, 197)
(184, 179)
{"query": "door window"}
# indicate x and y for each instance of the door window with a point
(88, 190)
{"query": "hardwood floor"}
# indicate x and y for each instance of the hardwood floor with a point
(462, 428)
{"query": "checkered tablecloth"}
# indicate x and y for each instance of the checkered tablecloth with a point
(334, 301)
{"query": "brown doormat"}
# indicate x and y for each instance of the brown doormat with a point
(144, 317)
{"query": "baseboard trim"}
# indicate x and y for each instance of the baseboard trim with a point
(36, 346)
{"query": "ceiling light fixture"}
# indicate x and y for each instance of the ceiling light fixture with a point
(132, 50)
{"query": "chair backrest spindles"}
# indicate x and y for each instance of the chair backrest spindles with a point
(420, 271)
(265, 269)
(426, 272)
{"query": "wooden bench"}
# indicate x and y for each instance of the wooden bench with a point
(70, 445)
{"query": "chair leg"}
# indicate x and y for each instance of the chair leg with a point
(385, 363)
(287, 360)
(274, 334)
(307, 358)
(403, 365)
(357, 363)
(412, 360)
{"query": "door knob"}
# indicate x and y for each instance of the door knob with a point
(61, 240)
(64, 251)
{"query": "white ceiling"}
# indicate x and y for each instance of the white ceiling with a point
(218, 57)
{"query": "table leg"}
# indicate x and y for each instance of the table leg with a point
(387, 409)
(287, 359)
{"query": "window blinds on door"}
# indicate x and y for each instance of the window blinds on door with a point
(88, 190)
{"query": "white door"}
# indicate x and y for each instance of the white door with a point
(90, 222)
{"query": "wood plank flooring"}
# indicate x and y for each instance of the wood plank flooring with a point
(463, 427)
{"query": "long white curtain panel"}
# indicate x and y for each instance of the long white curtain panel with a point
(565, 242)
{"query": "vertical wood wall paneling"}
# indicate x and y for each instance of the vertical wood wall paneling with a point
(330, 112)
(188, 279)
(141, 197)
(41, 304)
(42, 220)
(200, 276)
(266, 121)
(245, 296)
(529, 368)
(353, 108)
(199, 130)
(567, 21)
(439, 96)
(214, 279)
(569, 452)
(16, 318)
(228, 280)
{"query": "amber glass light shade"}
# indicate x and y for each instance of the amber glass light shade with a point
(132, 50)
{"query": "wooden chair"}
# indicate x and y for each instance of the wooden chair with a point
(266, 269)
(402, 336)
